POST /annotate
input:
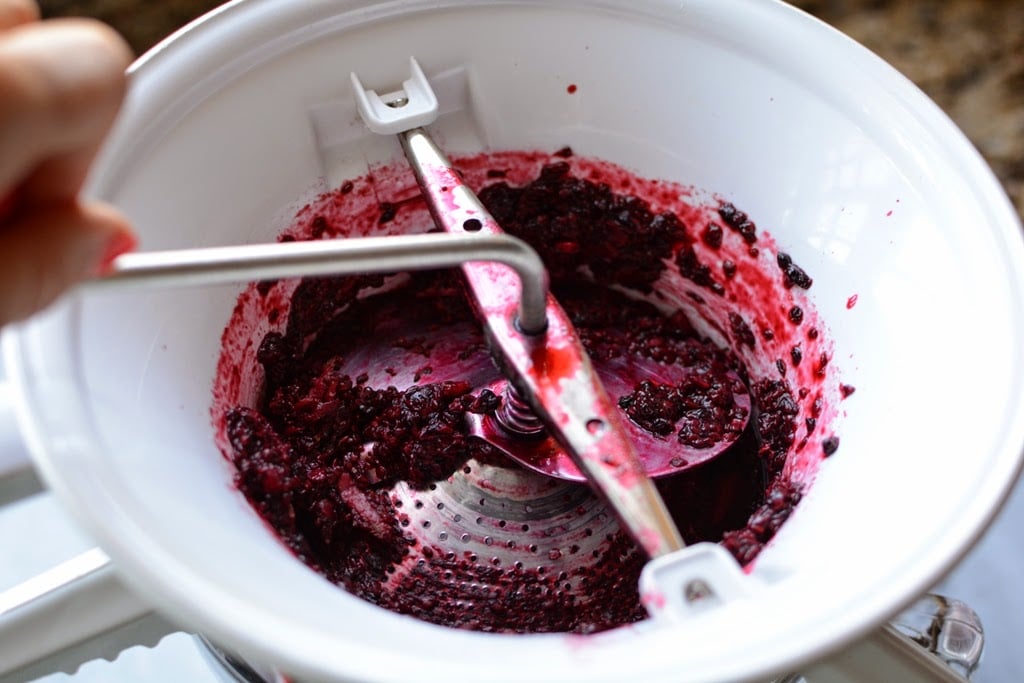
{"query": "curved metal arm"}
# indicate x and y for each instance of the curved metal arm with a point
(223, 265)
(571, 401)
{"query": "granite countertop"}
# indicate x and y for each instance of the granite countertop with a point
(968, 55)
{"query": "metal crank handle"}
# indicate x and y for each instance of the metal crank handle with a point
(225, 265)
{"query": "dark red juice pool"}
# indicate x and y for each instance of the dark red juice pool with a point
(343, 402)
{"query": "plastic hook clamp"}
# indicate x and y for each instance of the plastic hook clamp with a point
(412, 107)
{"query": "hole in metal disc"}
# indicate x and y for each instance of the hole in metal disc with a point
(596, 426)
(472, 224)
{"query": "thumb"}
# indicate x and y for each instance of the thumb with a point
(46, 251)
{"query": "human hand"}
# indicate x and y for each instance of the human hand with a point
(61, 85)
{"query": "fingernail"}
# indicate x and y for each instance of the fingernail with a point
(119, 243)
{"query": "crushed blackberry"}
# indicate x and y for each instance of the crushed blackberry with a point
(712, 236)
(320, 451)
(792, 274)
(618, 236)
(741, 330)
(702, 406)
(740, 222)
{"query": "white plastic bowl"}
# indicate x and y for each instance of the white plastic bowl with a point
(855, 172)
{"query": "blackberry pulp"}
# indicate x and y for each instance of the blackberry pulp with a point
(347, 421)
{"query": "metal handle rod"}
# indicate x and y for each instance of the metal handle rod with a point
(225, 265)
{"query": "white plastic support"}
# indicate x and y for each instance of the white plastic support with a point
(413, 106)
(75, 612)
(702, 576)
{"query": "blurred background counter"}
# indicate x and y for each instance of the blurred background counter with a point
(968, 55)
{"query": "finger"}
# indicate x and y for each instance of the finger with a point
(42, 253)
(61, 85)
(17, 12)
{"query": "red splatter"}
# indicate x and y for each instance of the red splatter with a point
(851, 302)
(552, 364)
